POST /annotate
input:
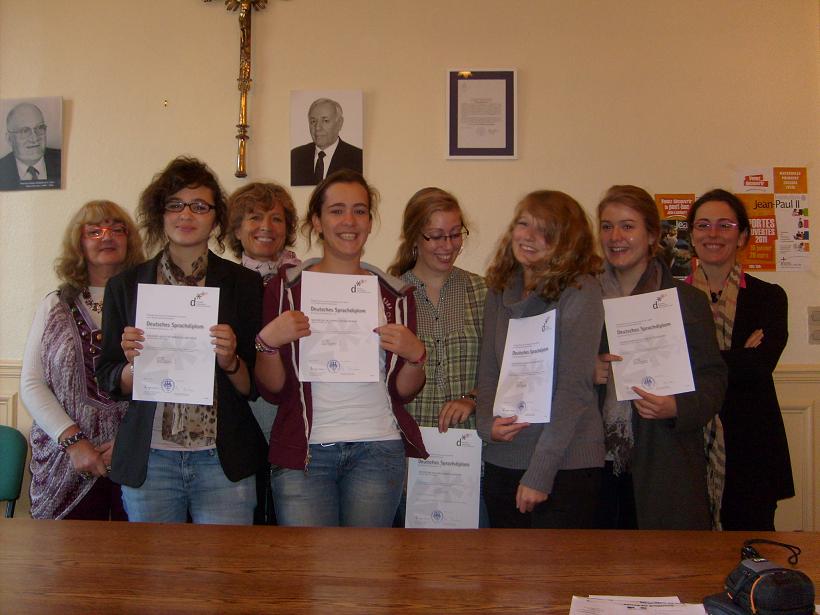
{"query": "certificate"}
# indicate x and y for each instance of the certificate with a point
(647, 331)
(176, 363)
(443, 490)
(481, 114)
(525, 382)
(343, 311)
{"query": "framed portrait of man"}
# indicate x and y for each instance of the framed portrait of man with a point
(325, 134)
(31, 150)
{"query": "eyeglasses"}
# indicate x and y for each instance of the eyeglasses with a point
(723, 225)
(29, 132)
(97, 232)
(441, 238)
(197, 207)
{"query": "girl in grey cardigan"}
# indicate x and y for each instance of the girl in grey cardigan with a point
(545, 474)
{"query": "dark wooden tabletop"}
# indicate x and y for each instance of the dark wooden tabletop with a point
(95, 567)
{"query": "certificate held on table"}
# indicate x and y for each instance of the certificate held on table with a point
(525, 381)
(343, 311)
(176, 363)
(647, 332)
(443, 490)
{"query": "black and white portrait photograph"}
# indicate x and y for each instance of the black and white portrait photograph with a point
(325, 134)
(30, 155)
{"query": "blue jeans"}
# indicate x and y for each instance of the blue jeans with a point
(183, 483)
(354, 484)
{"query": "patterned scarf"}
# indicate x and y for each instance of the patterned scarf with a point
(69, 350)
(618, 435)
(268, 269)
(723, 312)
(189, 425)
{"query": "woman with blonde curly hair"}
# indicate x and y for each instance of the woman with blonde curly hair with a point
(262, 224)
(75, 422)
(544, 475)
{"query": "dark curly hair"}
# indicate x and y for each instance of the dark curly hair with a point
(182, 172)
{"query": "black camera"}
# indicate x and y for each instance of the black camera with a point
(759, 587)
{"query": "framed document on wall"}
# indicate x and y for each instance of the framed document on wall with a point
(481, 114)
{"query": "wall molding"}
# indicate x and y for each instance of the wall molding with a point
(804, 412)
(798, 389)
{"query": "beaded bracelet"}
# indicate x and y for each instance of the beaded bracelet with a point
(263, 347)
(73, 439)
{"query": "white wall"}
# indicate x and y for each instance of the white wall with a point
(670, 95)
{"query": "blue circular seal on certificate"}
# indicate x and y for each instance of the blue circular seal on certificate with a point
(333, 366)
(521, 406)
(648, 382)
(437, 516)
(168, 384)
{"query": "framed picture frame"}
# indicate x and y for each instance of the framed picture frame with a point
(482, 114)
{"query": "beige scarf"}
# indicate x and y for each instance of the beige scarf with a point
(189, 425)
(724, 306)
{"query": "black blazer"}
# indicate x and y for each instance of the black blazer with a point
(9, 180)
(346, 156)
(758, 468)
(239, 441)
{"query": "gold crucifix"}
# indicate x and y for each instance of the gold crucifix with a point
(245, 9)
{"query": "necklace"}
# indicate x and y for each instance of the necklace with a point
(94, 306)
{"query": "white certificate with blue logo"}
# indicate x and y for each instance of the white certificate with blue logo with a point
(443, 490)
(647, 331)
(176, 363)
(342, 311)
(525, 382)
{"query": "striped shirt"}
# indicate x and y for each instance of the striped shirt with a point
(451, 332)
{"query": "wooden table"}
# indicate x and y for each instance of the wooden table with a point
(94, 567)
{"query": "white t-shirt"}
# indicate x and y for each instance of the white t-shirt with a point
(354, 411)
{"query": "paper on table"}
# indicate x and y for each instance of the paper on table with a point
(343, 311)
(176, 363)
(525, 381)
(647, 331)
(599, 606)
(443, 490)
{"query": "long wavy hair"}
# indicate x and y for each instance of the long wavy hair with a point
(262, 196)
(70, 266)
(421, 206)
(570, 242)
(181, 172)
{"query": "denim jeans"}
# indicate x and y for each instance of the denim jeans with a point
(355, 484)
(183, 483)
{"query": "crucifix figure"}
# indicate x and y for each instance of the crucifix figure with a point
(245, 7)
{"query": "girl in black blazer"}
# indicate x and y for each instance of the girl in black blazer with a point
(175, 460)
(751, 320)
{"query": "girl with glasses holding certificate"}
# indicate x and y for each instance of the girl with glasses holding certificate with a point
(544, 475)
(179, 460)
(338, 448)
(656, 469)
